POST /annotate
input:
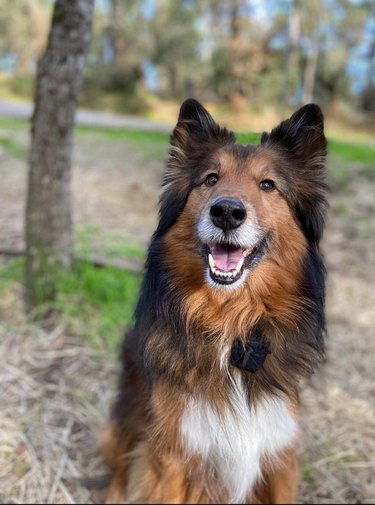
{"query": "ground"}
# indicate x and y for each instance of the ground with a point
(56, 387)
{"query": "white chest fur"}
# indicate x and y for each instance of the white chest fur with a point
(235, 440)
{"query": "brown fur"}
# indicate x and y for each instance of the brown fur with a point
(183, 325)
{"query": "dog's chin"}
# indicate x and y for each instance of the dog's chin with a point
(228, 265)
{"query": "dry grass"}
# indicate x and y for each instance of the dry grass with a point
(338, 446)
(54, 395)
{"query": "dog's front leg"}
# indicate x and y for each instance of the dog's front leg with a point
(280, 481)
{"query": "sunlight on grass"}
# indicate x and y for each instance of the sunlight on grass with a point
(95, 303)
(98, 303)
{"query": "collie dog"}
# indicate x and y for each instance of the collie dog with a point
(229, 320)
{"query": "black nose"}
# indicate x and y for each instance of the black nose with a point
(228, 213)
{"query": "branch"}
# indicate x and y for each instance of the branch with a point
(97, 261)
(100, 262)
(12, 252)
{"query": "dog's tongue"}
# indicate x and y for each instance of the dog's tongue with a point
(226, 257)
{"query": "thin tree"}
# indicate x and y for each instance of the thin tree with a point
(49, 234)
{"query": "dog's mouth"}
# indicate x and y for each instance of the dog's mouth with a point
(227, 263)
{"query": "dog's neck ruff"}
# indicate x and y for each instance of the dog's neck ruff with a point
(251, 355)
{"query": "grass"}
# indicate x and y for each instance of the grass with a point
(98, 303)
(11, 272)
(248, 138)
(150, 144)
(352, 153)
(111, 245)
(95, 303)
(12, 148)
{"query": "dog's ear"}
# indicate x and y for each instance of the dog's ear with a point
(302, 135)
(195, 137)
(301, 139)
(197, 128)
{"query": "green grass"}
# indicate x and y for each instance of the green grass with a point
(138, 136)
(248, 138)
(12, 147)
(92, 240)
(14, 123)
(151, 145)
(95, 303)
(11, 272)
(353, 153)
(98, 303)
(307, 471)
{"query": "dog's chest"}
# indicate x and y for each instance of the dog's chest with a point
(235, 440)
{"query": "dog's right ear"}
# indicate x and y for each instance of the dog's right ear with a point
(194, 138)
(197, 128)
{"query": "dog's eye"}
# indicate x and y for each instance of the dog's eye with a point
(267, 185)
(211, 179)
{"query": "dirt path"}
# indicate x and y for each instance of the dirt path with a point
(22, 110)
(55, 392)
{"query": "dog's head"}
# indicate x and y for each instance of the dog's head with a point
(228, 208)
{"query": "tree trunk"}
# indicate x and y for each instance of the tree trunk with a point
(172, 77)
(234, 19)
(292, 55)
(310, 74)
(115, 31)
(49, 235)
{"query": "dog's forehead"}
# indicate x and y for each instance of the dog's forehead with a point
(238, 158)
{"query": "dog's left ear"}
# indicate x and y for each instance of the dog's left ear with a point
(302, 139)
(302, 135)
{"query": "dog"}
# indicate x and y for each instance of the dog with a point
(229, 320)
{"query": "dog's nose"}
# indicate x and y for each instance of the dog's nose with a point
(228, 213)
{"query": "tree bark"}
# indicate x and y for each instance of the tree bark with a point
(49, 235)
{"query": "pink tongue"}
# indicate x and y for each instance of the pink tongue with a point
(226, 257)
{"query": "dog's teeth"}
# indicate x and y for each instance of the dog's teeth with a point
(231, 274)
(239, 265)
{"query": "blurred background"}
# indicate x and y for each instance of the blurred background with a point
(252, 56)
(251, 63)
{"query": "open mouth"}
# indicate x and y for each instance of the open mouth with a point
(227, 262)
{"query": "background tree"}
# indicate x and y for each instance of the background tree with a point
(49, 234)
(175, 40)
(279, 52)
(21, 21)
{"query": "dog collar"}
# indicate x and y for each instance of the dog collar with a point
(251, 355)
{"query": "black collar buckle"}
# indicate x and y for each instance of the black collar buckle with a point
(251, 355)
